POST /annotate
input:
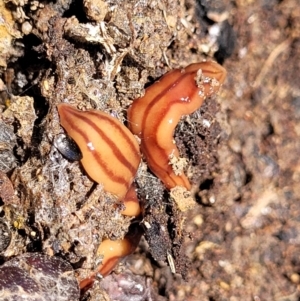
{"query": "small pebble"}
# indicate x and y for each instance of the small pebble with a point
(26, 28)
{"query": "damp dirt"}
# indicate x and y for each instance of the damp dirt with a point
(236, 235)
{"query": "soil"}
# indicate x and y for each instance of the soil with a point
(241, 239)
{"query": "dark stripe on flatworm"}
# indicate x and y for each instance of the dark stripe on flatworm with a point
(97, 154)
(123, 133)
(147, 112)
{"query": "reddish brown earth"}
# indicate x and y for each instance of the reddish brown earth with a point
(241, 241)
